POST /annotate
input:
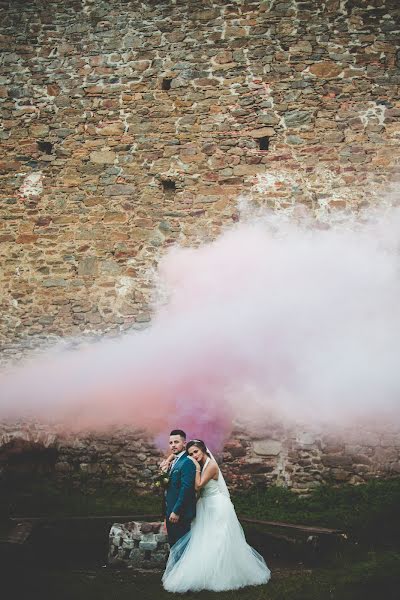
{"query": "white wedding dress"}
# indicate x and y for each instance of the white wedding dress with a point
(214, 555)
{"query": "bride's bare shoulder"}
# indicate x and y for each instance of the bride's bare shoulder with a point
(213, 465)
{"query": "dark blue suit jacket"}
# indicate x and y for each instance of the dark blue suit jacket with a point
(180, 497)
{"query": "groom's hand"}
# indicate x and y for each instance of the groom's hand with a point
(173, 518)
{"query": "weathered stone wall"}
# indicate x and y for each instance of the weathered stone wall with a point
(299, 460)
(103, 167)
(123, 458)
(129, 126)
(302, 460)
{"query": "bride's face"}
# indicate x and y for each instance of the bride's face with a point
(196, 453)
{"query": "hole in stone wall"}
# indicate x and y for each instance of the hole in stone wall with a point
(19, 457)
(46, 147)
(169, 186)
(166, 84)
(263, 143)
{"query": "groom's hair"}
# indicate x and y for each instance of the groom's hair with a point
(178, 432)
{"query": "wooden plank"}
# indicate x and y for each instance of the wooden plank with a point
(88, 518)
(304, 528)
(116, 518)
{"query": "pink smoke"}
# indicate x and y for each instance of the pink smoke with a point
(276, 319)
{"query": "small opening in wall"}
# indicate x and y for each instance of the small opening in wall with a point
(166, 84)
(169, 186)
(46, 147)
(19, 457)
(263, 143)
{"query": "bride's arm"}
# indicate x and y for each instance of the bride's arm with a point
(203, 478)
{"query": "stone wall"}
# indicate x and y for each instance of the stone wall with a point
(124, 458)
(302, 460)
(299, 460)
(128, 126)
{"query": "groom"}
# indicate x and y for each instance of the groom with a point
(180, 496)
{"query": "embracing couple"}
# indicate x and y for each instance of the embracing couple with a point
(208, 547)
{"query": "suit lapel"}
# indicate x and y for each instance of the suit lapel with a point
(176, 462)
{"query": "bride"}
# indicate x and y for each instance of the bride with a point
(214, 554)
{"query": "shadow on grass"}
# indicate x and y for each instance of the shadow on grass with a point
(368, 578)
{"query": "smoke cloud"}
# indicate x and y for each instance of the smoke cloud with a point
(279, 318)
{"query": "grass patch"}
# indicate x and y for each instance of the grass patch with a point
(77, 497)
(375, 575)
(368, 511)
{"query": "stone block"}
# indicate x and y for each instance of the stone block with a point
(297, 118)
(120, 189)
(361, 459)
(103, 157)
(336, 461)
(269, 119)
(112, 128)
(88, 266)
(158, 558)
(143, 545)
(53, 89)
(8, 237)
(56, 282)
(267, 447)
(248, 169)
(326, 70)
(301, 47)
(305, 438)
(136, 557)
(237, 452)
(122, 553)
(115, 217)
(40, 130)
(26, 238)
(262, 132)
(256, 466)
(340, 475)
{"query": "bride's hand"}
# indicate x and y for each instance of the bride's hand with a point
(196, 464)
(166, 463)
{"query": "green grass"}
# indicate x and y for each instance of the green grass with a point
(74, 498)
(363, 571)
(364, 511)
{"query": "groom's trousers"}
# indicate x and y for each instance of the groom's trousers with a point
(177, 530)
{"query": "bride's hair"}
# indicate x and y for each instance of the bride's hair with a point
(199, 444)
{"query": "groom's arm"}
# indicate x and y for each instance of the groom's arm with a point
(188, 471)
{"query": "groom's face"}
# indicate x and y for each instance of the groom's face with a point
(176, 443)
